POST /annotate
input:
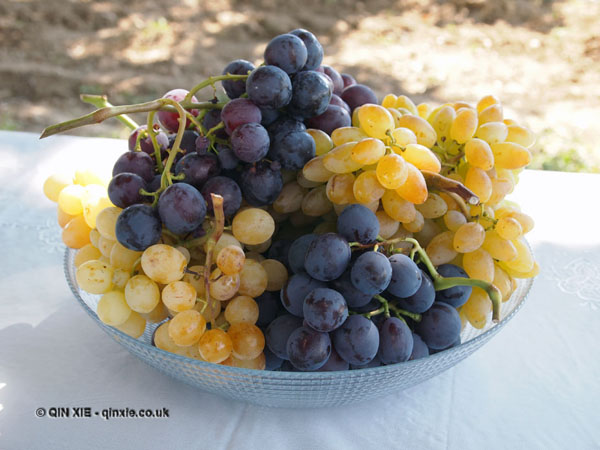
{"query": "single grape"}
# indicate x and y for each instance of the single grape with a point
(336, 79)
(261, 184)
(139, 163)
(197, 169)
(371, 273)
(358, 223)
(187, 327)
(284, 125)
(325, 309)
(112, 308)
(238, 112)
(314, 50)
(253, 279)
(269, 307)
(287, 52)
(311, 94)
(406, 276)
(154, 185)
(231, 259)
(76, 233)
(278, 333)
(279, 250)
(395, 341)
(142, 294)
(327, 257)
(215, 346)
(124, 189)
(297, 252)
(181, 208)
(295, 291)
(250, 142)
(247, 340)
(354, 298)
(170, 120)
(269, 87)
(455, 296)
(226, 188)
(334, 117)
(348, 79)
(94, 277)
(439, 326)
(235, 88)
(277, 274)
(211, 119)
(421, 300)
(178, 296)
(163, 263)
(420, 349)
(137, 227)
(308, 349)
(134, 326)
(253, 226)
(334, 363)
(272, 361)
(357, 340)
(357, 95)
(293, 149)
(227, 157)
(201, 145)
(336, 100)
(86, 253)
(241, 309)
(146, 143)
(223, 287)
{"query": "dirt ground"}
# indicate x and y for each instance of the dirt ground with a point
(541, 57)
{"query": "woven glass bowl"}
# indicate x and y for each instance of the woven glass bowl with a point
(297, 389)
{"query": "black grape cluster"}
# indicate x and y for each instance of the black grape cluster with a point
(330, 314)
(258, 137)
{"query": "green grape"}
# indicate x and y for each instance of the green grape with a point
(69, 199)
(290, 198)
(215, 346)
(404, 102)
(223, 287)
(158, 314)
(440, 249)
(367, 188)
(54, 184)
(492, 132)
(134, 326)
(422, 158)
(94, 277)
(142, 294)
(433, 207)
(344, 135)
(225, 240)
(502, 282)
(479, 265)
(163, 263)
(520, 135)
(277, 274)
(340, 189)
(241, 309)
(454, 220)
(487, 101)
(389, 101)
(112, 308)
(186, 328)
(376, 121)
(231, 260)
(464, 125)
(493, 113)
(414, 189)
(195, 277)
(252, 226)
(524, 261)
(387, 226)
(424, 132)
(478, 308)
(323, 142)
(86, 253)
(499, 248)
(415, 225)
(441, 122)
(339, 160)
(401, 137)
(106, 220)
(253, 279)
(391, 171)
(123, 258)
(247, 339)
(397, 207)
(316, 203)
(508, 228)
(469, 237)
(368, 151)
(94, 200)
(178, 296)
(479, 154)
(479, 182)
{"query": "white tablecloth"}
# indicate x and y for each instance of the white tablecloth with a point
(534, 386)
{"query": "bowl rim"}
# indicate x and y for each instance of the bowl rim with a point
(300, 375)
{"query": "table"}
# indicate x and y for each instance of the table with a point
(535, 385)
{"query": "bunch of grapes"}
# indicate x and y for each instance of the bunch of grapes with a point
(390, 218)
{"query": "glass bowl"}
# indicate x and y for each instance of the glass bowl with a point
(297, 389)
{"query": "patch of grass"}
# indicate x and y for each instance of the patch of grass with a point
(7, 123)
(564, 161)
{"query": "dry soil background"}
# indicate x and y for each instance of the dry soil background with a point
(541, 57)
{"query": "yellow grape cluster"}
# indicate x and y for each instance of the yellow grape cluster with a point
(166, 281)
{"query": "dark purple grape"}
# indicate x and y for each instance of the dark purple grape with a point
(188, 141)
(439, 326)
(124, 189)
(287, 52)
(348, 79)
(395, 341)
(234, 88)
(375, 362)
(371, 273)
(279, 250)
(334, 117)
(336, 79)
(455, 296)
(295, 291)
(354, 298)
(146, 143)
(268, 308)
(284, 125)
(420, 349)
(226, 157)
(238, 112)
(357, 340)
(308, 349)
(314, 49)
(357, 95)
(272, 361)
(278, 333)
(269, 87)
(311, 94)
(358, 223)
(260, 183)
(421, 300)
(327, 257)
(268, 116)
(181, 208)
(170, 120)
(334, 363)
(138, 227)
(250, 142)
(197, 169)
(226, 188)
(202, 145)
(154, 185)
(325, 309)
(292, 150)
(336, 100)
(211, 119)
(406, 276)
(297, 252)
(139, 163)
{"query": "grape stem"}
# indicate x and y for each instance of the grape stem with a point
(398, 311)
(166, 178)
(435, 181)
(101, 101)
(214, 237)
(152, 134)
(210, 81)
(441, 283)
